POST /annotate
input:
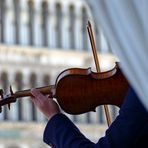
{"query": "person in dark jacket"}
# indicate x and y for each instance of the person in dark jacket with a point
(129, 129)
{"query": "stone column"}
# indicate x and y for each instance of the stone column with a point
(37, 23)
(9, 23)
(24, 27)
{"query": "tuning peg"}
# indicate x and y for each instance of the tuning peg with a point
(11, 91)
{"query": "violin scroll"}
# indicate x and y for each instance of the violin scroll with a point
(6, 99)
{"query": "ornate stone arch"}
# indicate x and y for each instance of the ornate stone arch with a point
(33, 79)
(46, 79)
(4, 80)
(19, 80)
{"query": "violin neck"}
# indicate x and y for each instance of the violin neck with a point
(46, 90)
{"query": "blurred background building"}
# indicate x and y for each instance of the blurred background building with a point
(38, 40)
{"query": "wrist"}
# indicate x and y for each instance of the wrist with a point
(49, 117)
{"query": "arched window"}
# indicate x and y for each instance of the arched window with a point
(31, 21)
(45, 23)
(17, 20)
(2, 20)
(4, 81)
(46, 80)
(84, 30)
(19, 85)
(33, 81)
(72, 27)
(58, 25)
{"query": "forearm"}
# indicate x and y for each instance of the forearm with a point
(62, 133)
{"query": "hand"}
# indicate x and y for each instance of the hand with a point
(46, 105)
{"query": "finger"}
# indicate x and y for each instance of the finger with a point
(37, 102)
(37, 94)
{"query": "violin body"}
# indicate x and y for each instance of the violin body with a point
(81, 90)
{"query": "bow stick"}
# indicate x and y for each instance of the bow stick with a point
(92, 41)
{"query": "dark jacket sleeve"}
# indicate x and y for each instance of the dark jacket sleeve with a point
(125, 131)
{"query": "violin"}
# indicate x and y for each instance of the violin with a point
(79, 90)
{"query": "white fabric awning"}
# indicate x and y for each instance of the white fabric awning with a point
(124, 23)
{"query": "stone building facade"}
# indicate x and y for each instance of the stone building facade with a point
(38, 40)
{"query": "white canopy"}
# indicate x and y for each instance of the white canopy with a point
(125, 25)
